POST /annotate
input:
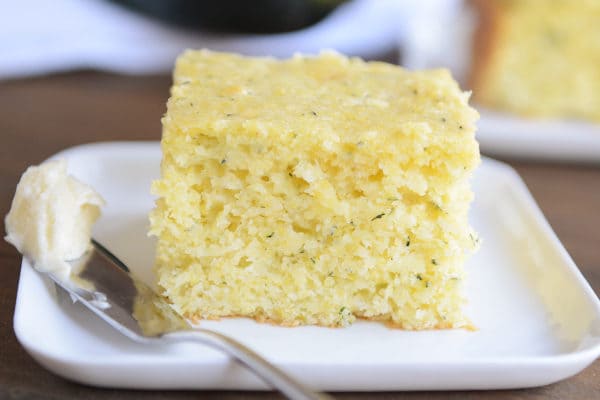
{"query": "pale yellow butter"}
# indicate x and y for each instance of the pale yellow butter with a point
(51, 217)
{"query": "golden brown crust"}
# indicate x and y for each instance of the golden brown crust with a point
(292, 324)
(485, 39)
(396, 325)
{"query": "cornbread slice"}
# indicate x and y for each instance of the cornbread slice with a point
(537, 57)
(314, 190)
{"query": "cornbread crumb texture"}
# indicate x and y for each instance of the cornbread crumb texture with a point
(538, 57)
(314, 190)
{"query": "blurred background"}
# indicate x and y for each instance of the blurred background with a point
(145, 36)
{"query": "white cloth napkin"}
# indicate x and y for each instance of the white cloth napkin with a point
(41, 36)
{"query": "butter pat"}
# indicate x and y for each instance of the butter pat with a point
(51, 217)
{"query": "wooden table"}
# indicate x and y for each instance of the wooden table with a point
(39, 117)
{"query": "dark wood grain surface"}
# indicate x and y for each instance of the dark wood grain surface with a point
(41, 116)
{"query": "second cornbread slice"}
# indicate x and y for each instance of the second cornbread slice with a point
(314, 190)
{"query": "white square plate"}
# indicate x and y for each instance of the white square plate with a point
(509, 135)
(538, 319)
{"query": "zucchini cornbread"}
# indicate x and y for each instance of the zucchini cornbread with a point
(314, 190)
(537, 57)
